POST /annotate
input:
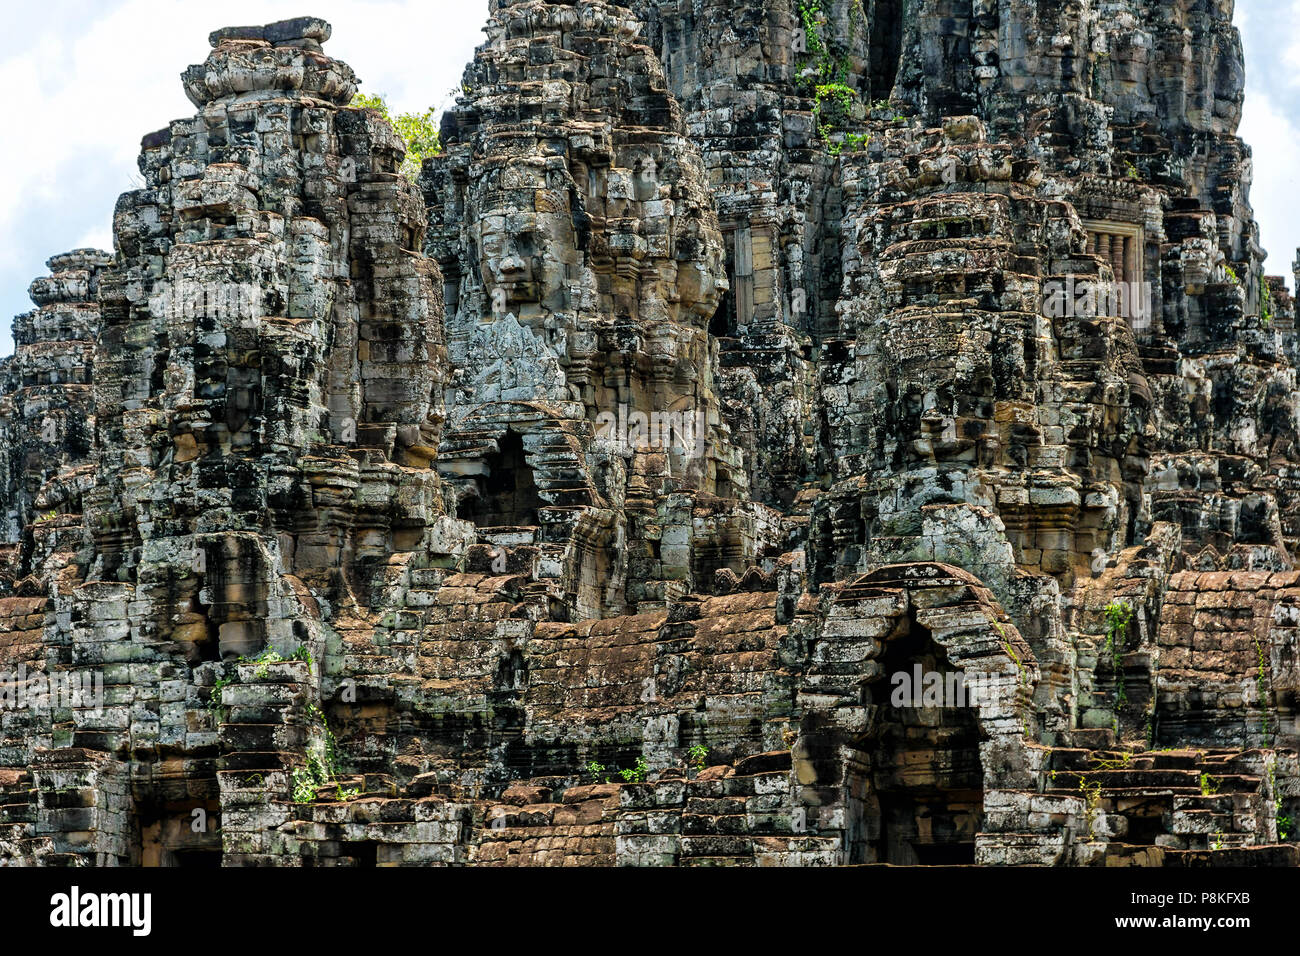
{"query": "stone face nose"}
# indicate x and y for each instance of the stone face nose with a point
(513, 267)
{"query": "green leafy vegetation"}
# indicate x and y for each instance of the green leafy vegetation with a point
(1021, 669)
(1091, 793)
(307, 779)
(826, 69)
(634, 774)
(637, 772)
(1115, 763)
(269, 656)
(1285, 825)
(821, 61)
(1118, 616)
(214, 698)
(697, 756)
(419, 131)
(262, 663)
(833, 109)
(321, 769)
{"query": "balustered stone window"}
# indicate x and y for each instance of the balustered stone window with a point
(1120, 244)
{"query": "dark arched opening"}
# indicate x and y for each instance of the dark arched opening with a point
(507, 493)
(923, 792)
(886, 46)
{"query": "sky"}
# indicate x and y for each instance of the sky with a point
(84, 80)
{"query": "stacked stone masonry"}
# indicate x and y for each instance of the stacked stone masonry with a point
(584, 502)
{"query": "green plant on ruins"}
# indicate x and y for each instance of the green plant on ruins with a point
(1019, 664)
(832, 110)
(1261, 687)
(214, 698)
(826, 69)
(697, 756)
(262, 663)
(821, 62)
(1209, 786)
(1091, 804)
(637, 773)
(1118, 616)
(307, 779)
(1285, 825)
(269, 656)
(1011, 652)
(855, 142)
(320, 769)
(1265, 302)
(1114, 763)
(419, 131)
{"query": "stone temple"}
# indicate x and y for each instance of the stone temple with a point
(771, 432)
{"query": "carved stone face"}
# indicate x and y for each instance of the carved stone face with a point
(526, 241)
(701, 284)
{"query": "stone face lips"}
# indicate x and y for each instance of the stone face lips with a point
(688, 471)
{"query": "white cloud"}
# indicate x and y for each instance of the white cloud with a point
(1271, 124)
(1275, 194)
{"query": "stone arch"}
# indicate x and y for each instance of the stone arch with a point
(548, 441)
(507, 494)
(578, 536)
(950, 615)
(922, 782)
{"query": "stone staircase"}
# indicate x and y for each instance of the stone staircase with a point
(1182, 804)
(17, 813)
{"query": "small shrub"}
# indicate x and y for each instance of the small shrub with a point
(637, 773)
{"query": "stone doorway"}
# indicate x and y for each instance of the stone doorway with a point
(507, 495)
(925, 776)
(179, 834)
(886, 47)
